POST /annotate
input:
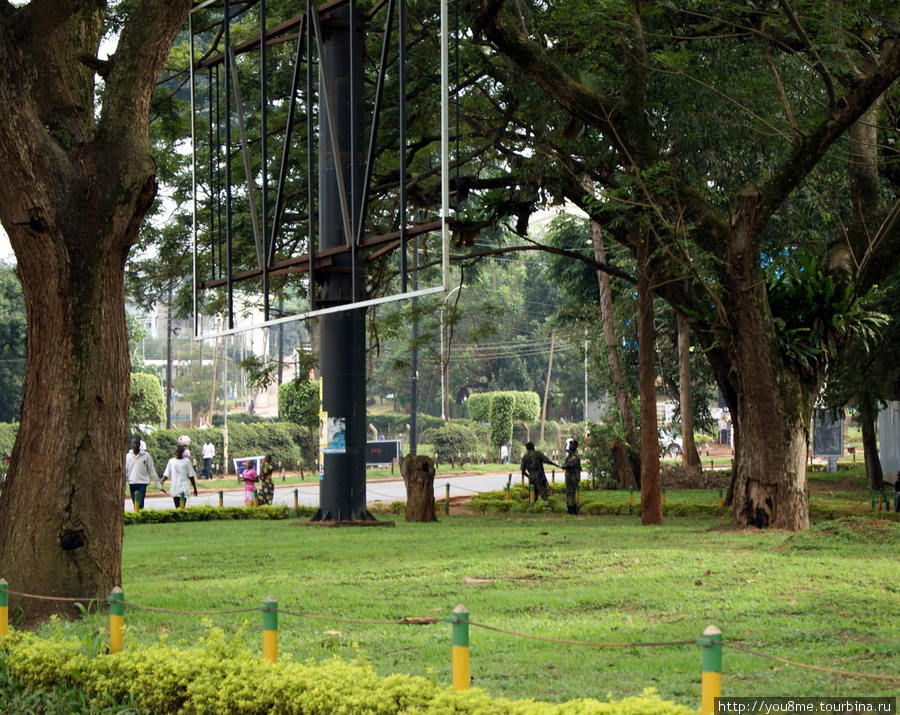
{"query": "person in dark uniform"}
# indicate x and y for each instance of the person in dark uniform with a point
(572, 467)
(532, 466)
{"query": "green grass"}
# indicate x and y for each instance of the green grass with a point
(827, 597)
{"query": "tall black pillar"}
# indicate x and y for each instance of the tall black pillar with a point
(342, 335)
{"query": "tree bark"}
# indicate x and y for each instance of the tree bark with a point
(867, 415)
(690, 458)
(418, 476)
(73, 193)
(651, 498)
(774, 408)
(624, 472)
(617, 374)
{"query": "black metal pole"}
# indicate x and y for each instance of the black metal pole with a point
(342, 364)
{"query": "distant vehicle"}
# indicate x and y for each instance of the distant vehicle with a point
(670, 445)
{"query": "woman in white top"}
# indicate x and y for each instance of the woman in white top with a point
(181, 472)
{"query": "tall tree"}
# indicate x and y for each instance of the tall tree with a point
(653, 92)
(76, 181)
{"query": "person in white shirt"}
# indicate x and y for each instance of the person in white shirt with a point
(209, 451)
(180, 472)
(139, 471)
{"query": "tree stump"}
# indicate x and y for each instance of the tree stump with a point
(624, 472)
(418, 476)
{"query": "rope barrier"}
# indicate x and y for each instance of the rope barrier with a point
(821, 669)
(711, 641)
(56, 598)
(428, 620)
(576, 642)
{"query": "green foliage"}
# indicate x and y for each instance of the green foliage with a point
(817, 316)
(502, 413)
(148, 405)
(298, 402)
(501, 410)
(394, 425)
(282, 440)
(12, 344)
(479, 406)
(216, 675)
(452, 440)
(209, 513)
(8, 433)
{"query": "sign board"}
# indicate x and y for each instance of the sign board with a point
(239, 463)
(383, 452)
(828, 435)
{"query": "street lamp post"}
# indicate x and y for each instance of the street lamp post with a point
(445, 360)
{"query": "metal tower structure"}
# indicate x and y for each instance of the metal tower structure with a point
(256, 234)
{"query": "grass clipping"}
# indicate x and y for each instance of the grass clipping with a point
(217, 676)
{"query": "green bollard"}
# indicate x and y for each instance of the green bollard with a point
(221, 499)
(270, 629)
(4, 607)
(447, 500)
(460, 648)
(711, 678)
(116, 619)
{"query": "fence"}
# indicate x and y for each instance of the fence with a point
(710, 642)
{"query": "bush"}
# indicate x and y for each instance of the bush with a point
(452, 440)
(209, 513)
(282, 440)
(215, 675)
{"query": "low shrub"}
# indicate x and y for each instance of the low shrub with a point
(215, 676)
(210, 513)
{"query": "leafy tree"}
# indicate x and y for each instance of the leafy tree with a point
(298, 402)
(711, 156)
(148, 406)
(12, 344)
(76, 180)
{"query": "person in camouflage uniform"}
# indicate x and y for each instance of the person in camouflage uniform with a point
(572, 468)
(532, 466)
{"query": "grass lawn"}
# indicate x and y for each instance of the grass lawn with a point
(827, 597)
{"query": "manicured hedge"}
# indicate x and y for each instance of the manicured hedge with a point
(283, 440)
(215, 676)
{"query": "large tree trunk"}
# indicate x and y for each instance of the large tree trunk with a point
(867, 415)
(72, 197)
(774, 409)
(651, 498)
(690, 458)
(617, 374)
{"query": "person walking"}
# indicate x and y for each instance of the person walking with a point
(139, 471)
(209, 451)
(572, 468)
(266, 489)
(532, 466)
(180, 473)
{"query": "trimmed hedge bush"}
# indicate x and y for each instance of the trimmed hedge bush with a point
(210, 513)
(216, 676)
(283, 440)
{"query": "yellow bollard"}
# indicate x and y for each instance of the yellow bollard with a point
(711, 679)
(116, 620)
(270, 629)
(4, 607)
(460, 648)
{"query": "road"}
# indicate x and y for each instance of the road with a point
(378, 491)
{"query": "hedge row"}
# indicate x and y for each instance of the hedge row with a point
(217, 676)
(209, 513)
(283, 440)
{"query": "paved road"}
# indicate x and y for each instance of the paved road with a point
(385, 491)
